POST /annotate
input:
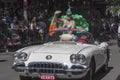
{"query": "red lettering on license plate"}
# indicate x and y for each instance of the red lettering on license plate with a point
(47, 77)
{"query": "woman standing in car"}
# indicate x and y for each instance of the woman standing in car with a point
(68, 22)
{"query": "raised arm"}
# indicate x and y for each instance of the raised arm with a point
(56, 19)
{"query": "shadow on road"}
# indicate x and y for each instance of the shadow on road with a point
(118, 78)
(99, 75)
(3, 60)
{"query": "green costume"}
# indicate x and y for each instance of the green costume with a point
(79, 19)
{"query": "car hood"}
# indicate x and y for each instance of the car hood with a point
(59, 52)
(59, 48)
(54, 48)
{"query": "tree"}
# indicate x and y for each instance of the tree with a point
(116, 9)
(114, 2)
(115, 6)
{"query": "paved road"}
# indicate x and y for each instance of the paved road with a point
(6, 73)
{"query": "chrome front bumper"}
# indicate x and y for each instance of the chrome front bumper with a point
(57, 69)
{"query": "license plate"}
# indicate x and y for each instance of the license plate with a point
(47, 77)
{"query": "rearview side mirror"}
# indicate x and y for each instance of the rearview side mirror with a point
(103, 45)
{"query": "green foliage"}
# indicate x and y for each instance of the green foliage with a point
(116, 9)
(115, 2)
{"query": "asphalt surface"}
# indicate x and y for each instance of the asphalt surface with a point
(6, 72)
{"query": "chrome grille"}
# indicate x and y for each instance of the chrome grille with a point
(47, 68)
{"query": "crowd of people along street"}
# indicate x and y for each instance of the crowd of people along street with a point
(15, 32)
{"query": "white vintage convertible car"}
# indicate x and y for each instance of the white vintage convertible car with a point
(68, 54)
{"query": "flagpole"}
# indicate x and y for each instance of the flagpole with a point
(25, 10)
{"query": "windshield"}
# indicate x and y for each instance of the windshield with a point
(76, 35)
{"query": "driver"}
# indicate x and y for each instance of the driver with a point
(83, 38)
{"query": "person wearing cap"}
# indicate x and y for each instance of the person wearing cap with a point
(68, 22)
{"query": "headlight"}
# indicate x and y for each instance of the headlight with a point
(73, 58)
(81, 59)
(21, 56)
(78, 58)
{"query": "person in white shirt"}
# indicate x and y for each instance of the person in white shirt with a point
(118, 36)
(119, 29)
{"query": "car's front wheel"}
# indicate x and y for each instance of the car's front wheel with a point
(118, 42)
(90, 75)
(25, 78)
(106, 66)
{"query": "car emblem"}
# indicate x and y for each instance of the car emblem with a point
(48, 57)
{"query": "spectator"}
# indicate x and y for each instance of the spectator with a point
(4, 27)
(23, 32)
(32, 26)
(1, 13)
(14, 27)
(4, 32)
(41, 26)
